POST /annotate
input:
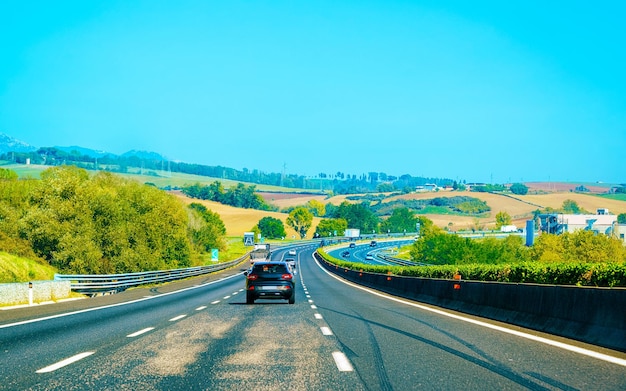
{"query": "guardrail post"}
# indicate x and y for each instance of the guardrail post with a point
(30, 293)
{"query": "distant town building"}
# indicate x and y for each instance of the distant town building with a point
(470, 186)
(426, 187)
(556, 223)
(620, 231)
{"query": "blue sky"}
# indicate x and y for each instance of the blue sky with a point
(485, 91)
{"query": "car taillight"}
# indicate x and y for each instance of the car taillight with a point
(252, 277)
(286, 276)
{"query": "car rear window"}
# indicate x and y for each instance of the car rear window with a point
(270, 268)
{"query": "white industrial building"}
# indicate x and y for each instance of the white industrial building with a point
(557, 223)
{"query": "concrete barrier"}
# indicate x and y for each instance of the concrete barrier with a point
(41, 291)
(587, 314)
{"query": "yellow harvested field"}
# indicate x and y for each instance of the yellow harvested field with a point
(588, 202)
(240, 220)
(520, 208)
(286, 200)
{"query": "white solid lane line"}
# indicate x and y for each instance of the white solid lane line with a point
(114, 305)
(543, 340)
(65, 362)
(179, 317)
(342, 362)
(138, 333)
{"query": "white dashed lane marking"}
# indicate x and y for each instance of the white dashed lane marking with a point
(138, 333)
(65, 362)
(342, 362)
(179, 317)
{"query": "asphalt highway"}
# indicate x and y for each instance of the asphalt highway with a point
(200, 335)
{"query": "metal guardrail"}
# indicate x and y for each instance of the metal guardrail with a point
(99, 283)
(399, 261)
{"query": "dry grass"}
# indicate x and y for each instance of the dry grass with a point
(239, 220)
(520, 208)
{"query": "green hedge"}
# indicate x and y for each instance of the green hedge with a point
(575, 273)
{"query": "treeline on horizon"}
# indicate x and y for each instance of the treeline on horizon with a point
(339, 183)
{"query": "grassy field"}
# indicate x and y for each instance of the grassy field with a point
(239, 220)
(159, 178)
(520, 208)
(18, 269)
(619, 197)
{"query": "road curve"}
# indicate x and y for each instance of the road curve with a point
(336, 336)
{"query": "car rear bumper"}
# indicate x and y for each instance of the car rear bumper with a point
(270, 291)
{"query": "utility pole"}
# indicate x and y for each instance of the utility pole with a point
(282, 176)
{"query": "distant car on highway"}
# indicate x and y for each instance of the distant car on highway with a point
(292, 252)
(369, 257)
(291, 262)
(270, 280)
(345, 254)
(352, 245)
(373, 243)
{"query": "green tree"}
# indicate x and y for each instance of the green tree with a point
(385, 187)
(327, 227)
(358, 216)
(8, 174)
(502, 218)
(548, 248)
(571, 207)
(401, 220)
(317, 208)
(271, 228)
(104, 223)
(457, 186)
(208, 229)
(439, 248)
(621, 218)
(300, 219)
(519, 189)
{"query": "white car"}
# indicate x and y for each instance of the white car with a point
(291, 262)
(292, 252)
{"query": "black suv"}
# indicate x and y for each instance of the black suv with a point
(270, 280)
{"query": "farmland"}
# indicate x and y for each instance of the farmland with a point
(237, 220)
(520, 208)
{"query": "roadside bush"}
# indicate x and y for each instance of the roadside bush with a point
(608, 274)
